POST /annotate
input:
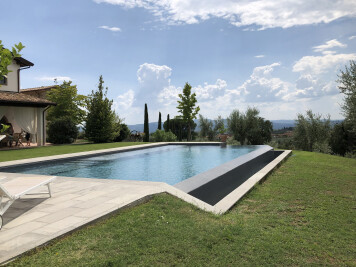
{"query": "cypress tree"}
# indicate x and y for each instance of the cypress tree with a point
(168, 126)
(159, 122)
(172, 125)
(145, 126)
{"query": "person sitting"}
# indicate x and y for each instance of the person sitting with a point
(27, 136)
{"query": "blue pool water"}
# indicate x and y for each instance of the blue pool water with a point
(171, 164)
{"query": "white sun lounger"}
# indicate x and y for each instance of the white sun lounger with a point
(15, 188)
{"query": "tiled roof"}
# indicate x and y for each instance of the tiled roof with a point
(23, 62)
(41, 88)
(20, 99)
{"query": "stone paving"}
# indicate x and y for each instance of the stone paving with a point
(34, 220)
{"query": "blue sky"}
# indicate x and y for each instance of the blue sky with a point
(279, 56)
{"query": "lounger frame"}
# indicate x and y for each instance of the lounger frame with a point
(7, 199)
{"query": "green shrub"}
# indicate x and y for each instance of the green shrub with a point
(342, 139)
(322, 148)
(351, 155)
(201, 139)
(273, 144)
(124, 132)
(81, 135)
(232, 141)
(62, 131)
(284, 143)
(162, 136)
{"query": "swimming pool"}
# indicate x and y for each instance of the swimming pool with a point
(171, 164)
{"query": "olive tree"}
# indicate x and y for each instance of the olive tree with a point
(237, 126)
(249, 127)
(206, 128)
(347, 80)
(311, 131)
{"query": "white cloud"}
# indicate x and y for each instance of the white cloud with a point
(58, 78)
(285, 110)
(316, 65)
(263, 13)
(259, 56)
(124, 101)
(169, 95)
(123, 106)
(155, 89)
(205, 93)
(352, 37)
(262, 87)
(308, 86)
(112, 29)
(210, 91)
(324, 48)
(212, 98)
(264, 70)
(328, 52)
(148, 73)
(152, 79)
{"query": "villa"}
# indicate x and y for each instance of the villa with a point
(25, 111)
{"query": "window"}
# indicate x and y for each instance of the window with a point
(3, 80)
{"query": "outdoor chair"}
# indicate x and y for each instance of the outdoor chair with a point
(5, 140)
(18, 139)
(15, 188)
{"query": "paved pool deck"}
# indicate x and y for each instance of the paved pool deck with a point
(35, 220)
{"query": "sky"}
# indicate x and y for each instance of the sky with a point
(282, 57)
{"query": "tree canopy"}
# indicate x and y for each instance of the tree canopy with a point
(237, 125)
(7, 56)
(219, 125)
(187, 107)
(69, 103)
(101, 119)
(311, 131)
(347, 80)
(206, 128)
(178, 126)
(249, 127)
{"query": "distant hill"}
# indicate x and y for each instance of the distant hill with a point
(277, 125)
(139, 127)
(280, 124)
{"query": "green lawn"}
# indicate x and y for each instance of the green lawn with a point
(56, 150)
(303, 214)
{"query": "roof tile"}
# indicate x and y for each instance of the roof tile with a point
(12, 98)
